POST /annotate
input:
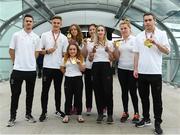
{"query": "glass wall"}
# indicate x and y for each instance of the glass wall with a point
(8, 8)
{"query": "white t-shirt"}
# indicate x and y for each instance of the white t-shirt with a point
(25, 44)
(89, 49)
(126, 59)
(71, 70)
(101, 55)
(150, 59)
(54, 59)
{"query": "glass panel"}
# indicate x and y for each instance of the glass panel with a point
(7, 5)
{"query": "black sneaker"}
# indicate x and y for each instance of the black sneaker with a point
(110, 119)
(30, 118)
(100, 118)
(158, 130)
(42, 117)
(60, 114)
(124, 117)
(143, 122)
(11, 122)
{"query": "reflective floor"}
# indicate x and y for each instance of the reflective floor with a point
(54, 125)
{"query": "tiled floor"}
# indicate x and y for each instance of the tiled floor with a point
(54, 125)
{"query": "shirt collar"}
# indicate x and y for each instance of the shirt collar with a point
(27, 34)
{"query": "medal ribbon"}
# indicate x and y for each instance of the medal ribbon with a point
(55, 38)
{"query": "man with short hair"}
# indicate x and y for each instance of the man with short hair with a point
(54, 44)
(23, 51)
(150, 45)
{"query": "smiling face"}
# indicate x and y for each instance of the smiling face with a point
(101, 32)
(72, 50)
(74, 31)
(92, 30)
(149, 23)
(56, 24)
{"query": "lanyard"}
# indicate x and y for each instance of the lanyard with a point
(55, 39)
(150, 35)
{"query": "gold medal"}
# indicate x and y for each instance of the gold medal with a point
(117, 43)
(73, 61)
(148, 43)
(69, 36)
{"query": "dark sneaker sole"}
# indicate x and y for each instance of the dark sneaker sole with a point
(157, 133)
(110, 122)
(146, 124)
(30, 121)
(99, 122)
(43, 120)
(10, 125)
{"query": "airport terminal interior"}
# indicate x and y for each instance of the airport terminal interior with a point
(85, 12)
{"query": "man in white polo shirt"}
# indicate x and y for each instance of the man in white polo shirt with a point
(23, 51)
(54, 45)
(150, 45)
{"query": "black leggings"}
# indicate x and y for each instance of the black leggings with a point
(128, 83)
(88, 87)
(73, 86)
(103, 88)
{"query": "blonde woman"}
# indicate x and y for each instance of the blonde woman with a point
(125, 56)
(101, 56)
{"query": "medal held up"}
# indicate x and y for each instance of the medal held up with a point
(148, 43)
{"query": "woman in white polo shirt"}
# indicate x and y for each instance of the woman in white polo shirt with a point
(72, 67)
(101, 55)
(125, 56)
(88, 72)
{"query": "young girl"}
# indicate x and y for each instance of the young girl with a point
(75, 34)
(72, 66)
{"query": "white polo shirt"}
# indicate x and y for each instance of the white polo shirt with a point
(150, 59)
(126, 59)
(25, 44)
(71, 70)
(54, 59)
(101, 55)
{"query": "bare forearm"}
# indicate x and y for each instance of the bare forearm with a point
(116, 54)
(136, 59)
(81, 67)
(12, 54)
(84, 51)
(162, 48)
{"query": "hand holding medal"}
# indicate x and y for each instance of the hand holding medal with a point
(73, 60)
(148, 43)
(117, 43)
